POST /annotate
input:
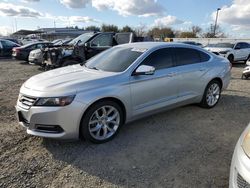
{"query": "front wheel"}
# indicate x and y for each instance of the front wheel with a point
(211, 95)
(102, 122)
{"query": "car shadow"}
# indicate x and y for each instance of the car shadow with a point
(183, 147)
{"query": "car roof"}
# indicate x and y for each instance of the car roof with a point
(151, 45)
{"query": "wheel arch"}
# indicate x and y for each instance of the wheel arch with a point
(114, 99)
(217, 79)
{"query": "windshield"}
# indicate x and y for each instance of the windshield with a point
(116, 59)
(83, 38)
(224, 45)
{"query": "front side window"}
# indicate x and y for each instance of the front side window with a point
(186, 56)
(160, 59)
(102, 40)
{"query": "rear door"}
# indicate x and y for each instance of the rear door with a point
(190, 68)
(7, 47)
(151, 92)
(100, 43)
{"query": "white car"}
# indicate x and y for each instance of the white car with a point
(36, 56)
(234, 52)
(240, 166)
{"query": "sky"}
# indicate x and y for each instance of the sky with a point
(234, 16)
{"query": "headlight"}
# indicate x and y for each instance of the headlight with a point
(55, 101)
(224, 52)
(246, 143)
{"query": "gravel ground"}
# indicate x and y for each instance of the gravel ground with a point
(184, 147)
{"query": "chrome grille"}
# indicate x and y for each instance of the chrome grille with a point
(241, 183)
(26, 102)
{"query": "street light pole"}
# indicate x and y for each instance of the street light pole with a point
(216, 19)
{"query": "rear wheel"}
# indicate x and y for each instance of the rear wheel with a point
(211, 94)
(102, 122)
(248, 58)
(231, 58)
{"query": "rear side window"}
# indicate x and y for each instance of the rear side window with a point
(160, 59)
(204, 57)
(186, 56)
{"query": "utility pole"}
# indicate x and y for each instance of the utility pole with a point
(216, 19)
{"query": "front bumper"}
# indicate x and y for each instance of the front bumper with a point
(36, 60)
(52, 122)
(240, 169)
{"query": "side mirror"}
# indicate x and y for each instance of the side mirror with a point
(87, 44)
(144, 70)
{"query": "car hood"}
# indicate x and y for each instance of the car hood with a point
(68, 79)
(217, 49)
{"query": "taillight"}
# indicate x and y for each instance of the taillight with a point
(16, 50)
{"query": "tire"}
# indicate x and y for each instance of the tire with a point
(247, 59)
(231, 58)
(69, 62)
(95, 126)
(210, 100)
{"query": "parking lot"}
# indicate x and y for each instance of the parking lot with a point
(184, 147)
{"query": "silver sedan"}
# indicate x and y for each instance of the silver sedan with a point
(119, 85)
(240, 166)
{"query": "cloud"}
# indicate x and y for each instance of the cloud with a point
(5, 30)
(237, 15)
(142, 8)
(167, 21)
(75, 3)
(30, 1)
(8, 9)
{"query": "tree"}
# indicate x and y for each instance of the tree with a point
(126, 29)
(161, 33)
(109, 28)
(210, 32)
(140, 30)
(196, 30)
(92, 28)
(187, 34)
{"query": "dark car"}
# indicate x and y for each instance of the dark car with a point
(84, 47)
(6, 47)
(12, 40)
(22, 53)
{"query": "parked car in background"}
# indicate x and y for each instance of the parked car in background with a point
(36, 56)
(240, 166)
(22, 53)
(192, 43)
(234, 52)
(84, 47)
(6, 47)
(119, 85)
(12, 40)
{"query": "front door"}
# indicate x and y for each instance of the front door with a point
(151, 92)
